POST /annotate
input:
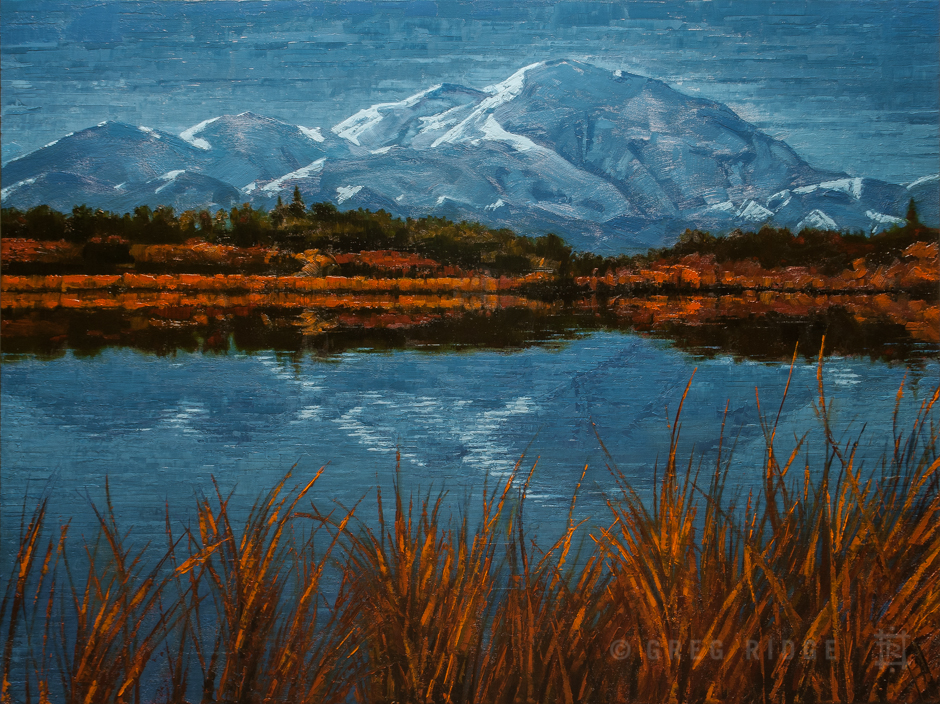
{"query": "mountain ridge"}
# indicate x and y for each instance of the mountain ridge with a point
(610, 160)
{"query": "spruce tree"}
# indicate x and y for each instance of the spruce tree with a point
(912, 217)
(297, 208)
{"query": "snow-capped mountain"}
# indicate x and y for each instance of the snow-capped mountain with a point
(246, 148)
(110, 152)
(610, 160)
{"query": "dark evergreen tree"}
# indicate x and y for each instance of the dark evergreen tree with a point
(279, 213)
(297, 208)
(912, 217)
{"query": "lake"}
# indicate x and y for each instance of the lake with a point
(159, 423)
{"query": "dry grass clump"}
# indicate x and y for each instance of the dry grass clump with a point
(823, 589)
(422, 597)
(98, 634)
(800, 598)
(261, 591)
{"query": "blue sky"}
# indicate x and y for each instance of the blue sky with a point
(850, 85)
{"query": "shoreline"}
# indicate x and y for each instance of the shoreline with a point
(919, 283)
(58, 316)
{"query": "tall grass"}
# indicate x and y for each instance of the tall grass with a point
(422, 598)
(262, 590)
(823, 587)
(99, 633)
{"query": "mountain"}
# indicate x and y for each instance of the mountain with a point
(111, 152)
(926, 194)
(610, 160)
(179, 189)
(246, 148)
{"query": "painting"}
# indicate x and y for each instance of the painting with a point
(439, 351)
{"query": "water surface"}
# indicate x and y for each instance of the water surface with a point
(159, 427)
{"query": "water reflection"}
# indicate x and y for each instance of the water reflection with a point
(762, 327)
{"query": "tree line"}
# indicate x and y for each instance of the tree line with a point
(294, 227)
(829, 251)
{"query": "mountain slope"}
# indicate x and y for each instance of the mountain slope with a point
(245, 148)
(112, 152)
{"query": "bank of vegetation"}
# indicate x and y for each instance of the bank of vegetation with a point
(247, 240)
(295, 241)
(901, 259)
(827, 252)
(824, 588)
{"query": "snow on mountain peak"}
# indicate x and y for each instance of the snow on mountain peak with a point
(190, 134)
(817, 219)
(755, 212)
(9, 189)
(432, 123)
(883, 219)
(494, 132)
(353, 127)
(312, 132)
(308, 170)
(779, 199)
(344, 193)
(723, 207)
(500, 93)
(849, 186)
(169, 177)
(924, 179)
(513, 85)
